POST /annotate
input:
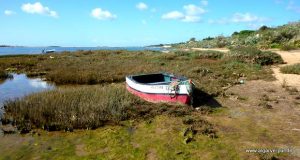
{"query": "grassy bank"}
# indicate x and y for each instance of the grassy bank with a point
(291, 69)
(284, 37)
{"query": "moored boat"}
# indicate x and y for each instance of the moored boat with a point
(161, 87)
(49, 50)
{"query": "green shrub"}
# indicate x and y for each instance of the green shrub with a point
(291, 69)
(243, 33)
(221, 42)
(201, 54)
(287, 47)
(255, 56)
(297, 43)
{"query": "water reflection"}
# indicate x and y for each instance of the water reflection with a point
(19, 86)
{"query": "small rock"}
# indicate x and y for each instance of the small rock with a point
(9, 129)
(179, 152)
(242, 82)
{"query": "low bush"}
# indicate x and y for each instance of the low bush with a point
(255, 56)
(287, 47)
(291, 69)
(201, 54)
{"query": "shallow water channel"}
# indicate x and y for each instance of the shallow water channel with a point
(19, 86)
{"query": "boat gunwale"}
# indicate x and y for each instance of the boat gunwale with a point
(180, 78)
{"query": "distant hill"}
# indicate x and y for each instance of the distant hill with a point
(284, 37)
(5, 46)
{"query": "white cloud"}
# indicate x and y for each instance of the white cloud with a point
(100, 14)
(192, 19)
(246, 17)
(38, 8)
(173, 15)
(204, 2)
(240, 18)
(9, 12)
(193, 10)
(141, 6)
(192, 13)
(293, 7)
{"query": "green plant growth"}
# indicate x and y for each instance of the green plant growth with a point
(255, 56)
(291, 69)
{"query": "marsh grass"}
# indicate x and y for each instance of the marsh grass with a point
(291, 69)
(94, 106)
(201, 54)
(75, 107)
(83, 107)
(206, 68)
(4, 75)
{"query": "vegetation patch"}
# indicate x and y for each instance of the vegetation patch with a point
(70, 108)
(291, 69)
(205, 68)
(201, 54)
(4, 75)
(86, 107)
(284, 37)
(255, 56)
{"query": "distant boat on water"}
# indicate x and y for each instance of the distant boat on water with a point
(48, 50)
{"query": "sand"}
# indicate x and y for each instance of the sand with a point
(292, 80)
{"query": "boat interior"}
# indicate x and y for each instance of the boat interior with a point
(158, 78)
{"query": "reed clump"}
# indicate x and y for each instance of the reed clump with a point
(291, 69)
(4, 75)
(84, 107)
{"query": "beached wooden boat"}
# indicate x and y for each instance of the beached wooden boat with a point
(161, 87)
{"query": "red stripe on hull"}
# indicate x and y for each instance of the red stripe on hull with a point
(156, 98)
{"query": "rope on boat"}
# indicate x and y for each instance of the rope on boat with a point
(174, 87)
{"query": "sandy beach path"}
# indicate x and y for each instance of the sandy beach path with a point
(290, 57)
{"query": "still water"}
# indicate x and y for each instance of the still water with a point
(38, 50)
(19, 86)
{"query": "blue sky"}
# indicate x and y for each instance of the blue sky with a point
(134, 22)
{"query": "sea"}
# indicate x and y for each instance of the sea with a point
(39, 50)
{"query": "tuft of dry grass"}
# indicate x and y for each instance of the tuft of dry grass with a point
(291, 69)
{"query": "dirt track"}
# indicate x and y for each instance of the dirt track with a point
(290, 57)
